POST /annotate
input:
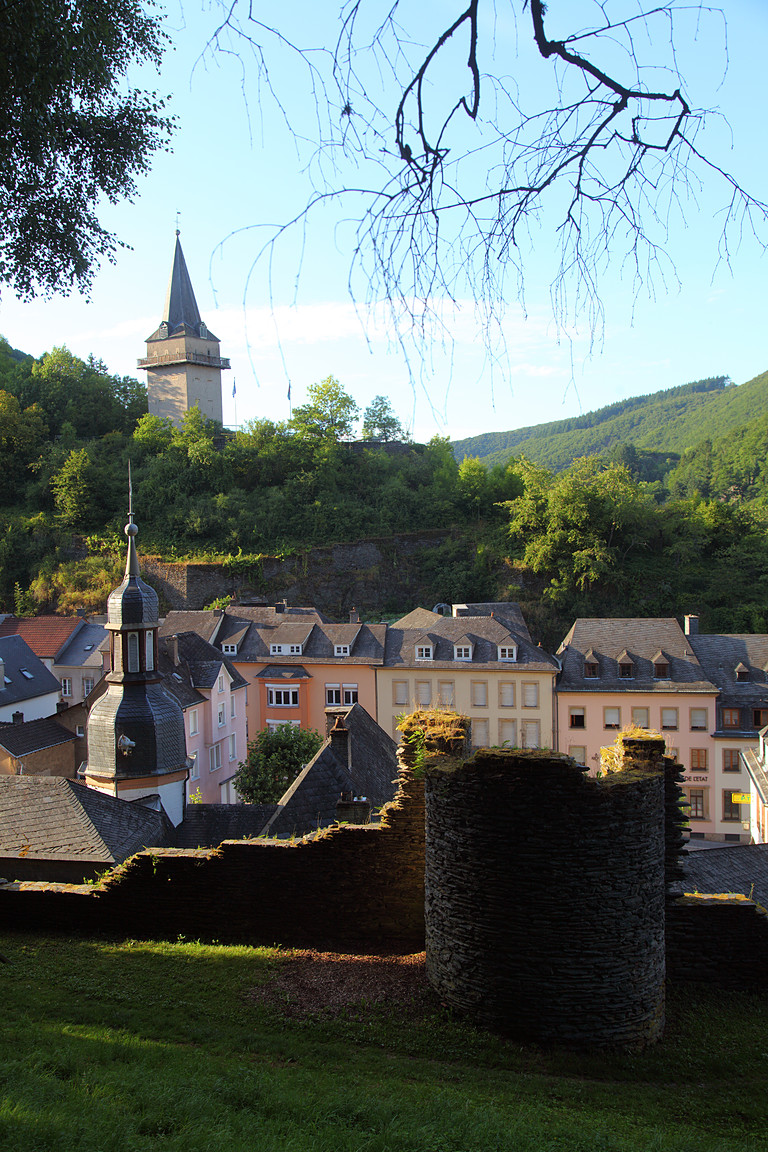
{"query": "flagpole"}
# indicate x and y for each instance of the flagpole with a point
(234, 397)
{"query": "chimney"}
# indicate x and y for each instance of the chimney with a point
(691, 625)
(354, 616)
(18, 717)
(281, 606)
(172, 648)
(2, 674)
(339, 738)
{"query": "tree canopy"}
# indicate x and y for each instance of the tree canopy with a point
(72, 133)
(330, 415)
(274, 760)
(380, 421)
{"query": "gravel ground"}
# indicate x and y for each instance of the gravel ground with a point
(310, 984)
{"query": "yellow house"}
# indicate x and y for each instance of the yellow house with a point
(481, 662)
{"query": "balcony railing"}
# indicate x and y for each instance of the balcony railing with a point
(183, 358)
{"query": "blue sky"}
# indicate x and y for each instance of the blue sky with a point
(235, 172)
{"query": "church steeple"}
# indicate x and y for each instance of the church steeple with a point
(135, 731)
(183, 360)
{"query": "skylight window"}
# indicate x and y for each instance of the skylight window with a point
(26, 674)
(87, 647)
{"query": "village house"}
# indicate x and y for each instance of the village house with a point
(481, 662)
(28, 691)
(68, 646)
(648, 672)
(296, 662)
(212, 696)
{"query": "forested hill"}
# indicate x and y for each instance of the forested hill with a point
(666, 422)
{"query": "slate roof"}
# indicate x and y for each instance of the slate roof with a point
(28, 676)
(368, 769)
(47, 816)
(45, 635)
(34, 736)
(207, 825)
(180, 314)
(508, 611)
(720, 656)
(305, 626)
(278, 672)
(198, 668)
(84, 647)
(739, 868)
(485, 633)
(641, 639)
(203, 624)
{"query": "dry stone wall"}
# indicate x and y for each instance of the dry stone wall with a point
(545, 897)
(349, 887)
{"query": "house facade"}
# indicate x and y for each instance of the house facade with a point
(477, 661)
(28, 690)
(296, 663)
(68, 646)
(212, 696)
(648, 672)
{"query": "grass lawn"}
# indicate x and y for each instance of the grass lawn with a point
(116, 1047)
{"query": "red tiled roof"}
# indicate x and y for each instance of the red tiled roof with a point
(45, 635)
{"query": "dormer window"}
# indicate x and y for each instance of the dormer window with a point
(285, 649)
(508, 653)
(591, 670)
(462, 652)
(660, 670)
(296, 649)
(626, 670)
(423, 651)
(229, 649)
(275, 649)
(341, 649)
(742, 673)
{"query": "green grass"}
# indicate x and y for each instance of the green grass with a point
(140, 1046)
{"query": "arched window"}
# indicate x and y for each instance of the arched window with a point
(133, 652)
(150, 651)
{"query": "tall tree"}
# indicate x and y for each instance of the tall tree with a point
(380, 421)
(330, 414)
(72, 133)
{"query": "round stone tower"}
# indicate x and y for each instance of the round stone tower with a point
(135, 731)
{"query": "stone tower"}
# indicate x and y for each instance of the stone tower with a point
(183, 363)
(135, 731)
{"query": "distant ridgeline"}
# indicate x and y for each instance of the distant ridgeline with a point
(661, 426)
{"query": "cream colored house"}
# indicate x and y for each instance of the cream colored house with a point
(481, 662)
(183, 360)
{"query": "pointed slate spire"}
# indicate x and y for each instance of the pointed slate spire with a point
(180, 304)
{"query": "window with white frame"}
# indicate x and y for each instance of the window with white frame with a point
(531, 696)
(233, 747)
(531, 733)
(577, 717)
(446, 695)
(507, 694)
(222, 715)
(194, 768)
(423, 651)
(88, 683)
(149, 651)
(278, 697)
(462, 652)
(295, 649)
(273, 725)
(350, 694)
(479, 693)
(480, 737)
(332, 694)
(400, 692)
(275, 649)
(66, 686)
(341, 649)
(221, 682)
(669, 719)
(215, 757)
(424, 693)
(699, 720)
(508, 652)
(79, 729)
(232, 707)
(229, 649)
(611, 717)
(193, 722)
(508, 733)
